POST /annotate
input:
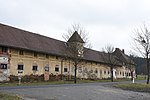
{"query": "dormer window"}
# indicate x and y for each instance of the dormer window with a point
(35, 54)
(4, 49)
(20, 52)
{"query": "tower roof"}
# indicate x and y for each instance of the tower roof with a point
(75, 38)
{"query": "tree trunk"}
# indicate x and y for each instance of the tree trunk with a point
(62, 70)
(147, 59)
(75, 74)
(112, 74)
(131, 75)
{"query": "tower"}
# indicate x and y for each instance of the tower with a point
(75, 44)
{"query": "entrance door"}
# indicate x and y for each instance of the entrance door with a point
(46, 73)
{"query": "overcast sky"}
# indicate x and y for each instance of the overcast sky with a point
(107, 21)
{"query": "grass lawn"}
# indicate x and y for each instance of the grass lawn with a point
(4, 96)
(61, 82)
(141, 77)
(140, 87)
(52, 82)
(36, 83)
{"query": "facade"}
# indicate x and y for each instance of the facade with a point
(25, 53)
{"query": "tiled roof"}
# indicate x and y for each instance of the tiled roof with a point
(17, 38)
(122, 57)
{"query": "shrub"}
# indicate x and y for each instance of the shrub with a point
(27, 78)
(13, 78)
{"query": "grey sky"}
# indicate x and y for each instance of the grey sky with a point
(107, 21)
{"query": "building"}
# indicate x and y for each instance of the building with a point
(25, 53)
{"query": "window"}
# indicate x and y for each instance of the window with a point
(104, 71)
(20, 67)
(20, 52)
(56, 57)
(129, 74)
(120, 72)
(4, 49)
(96, 71)
(34, 68)
(35, 54)
(108, 72)
(47, 56)
(3, 66)
(56, 69)
(65, 70)
(46, 68)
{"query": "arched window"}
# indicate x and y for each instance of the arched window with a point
(3, 66)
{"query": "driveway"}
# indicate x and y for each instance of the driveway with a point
(88, 91)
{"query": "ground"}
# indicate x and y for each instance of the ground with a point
(86, 91)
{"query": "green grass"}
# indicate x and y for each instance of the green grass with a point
(52, 82)
(36, 83)
(60, 82)
(140, 87)
(140, 77)
(4, 96)
(92, 81)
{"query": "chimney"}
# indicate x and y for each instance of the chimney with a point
(123, 51)
(116, 49)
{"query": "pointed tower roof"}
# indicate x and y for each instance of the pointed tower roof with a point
(76, 38)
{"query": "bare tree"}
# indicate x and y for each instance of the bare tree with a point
(81, 31)
(75, 49)
(109, 58)
(142, 45)
(131, 65)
